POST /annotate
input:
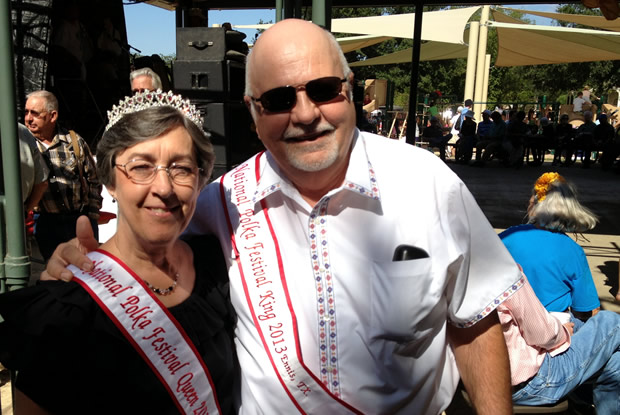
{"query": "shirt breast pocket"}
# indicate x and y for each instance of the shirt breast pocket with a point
(403, 308)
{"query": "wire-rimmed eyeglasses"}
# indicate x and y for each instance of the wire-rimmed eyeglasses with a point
(144, 172)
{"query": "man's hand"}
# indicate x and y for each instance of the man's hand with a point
(570, 327)
(482, 360)
(72, 252)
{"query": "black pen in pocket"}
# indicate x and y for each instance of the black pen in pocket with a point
(408, 252)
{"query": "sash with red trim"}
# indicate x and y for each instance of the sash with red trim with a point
(155, 334)
(262, 274)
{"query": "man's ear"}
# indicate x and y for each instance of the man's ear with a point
(248, 102)
(54, 116)
(253, 113)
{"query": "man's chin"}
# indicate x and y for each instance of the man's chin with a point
(314, 162)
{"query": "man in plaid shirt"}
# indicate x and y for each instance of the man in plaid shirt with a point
(74, 188)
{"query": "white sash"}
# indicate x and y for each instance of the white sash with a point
(262, 273)
(152, 330)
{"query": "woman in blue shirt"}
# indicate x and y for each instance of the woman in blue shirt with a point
(555, 265)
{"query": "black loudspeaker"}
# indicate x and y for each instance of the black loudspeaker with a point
(232, 133)
(210, 44)
(211, 80)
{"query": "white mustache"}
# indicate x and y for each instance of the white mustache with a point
(294, 132)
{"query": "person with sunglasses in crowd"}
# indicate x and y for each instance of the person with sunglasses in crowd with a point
(149, 329)
(358, 288)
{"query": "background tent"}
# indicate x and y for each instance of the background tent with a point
(522, 44)
(430, 51)
(592, 21)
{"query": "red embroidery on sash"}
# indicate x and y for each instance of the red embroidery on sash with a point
(296, 391)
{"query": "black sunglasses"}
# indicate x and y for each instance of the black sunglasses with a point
(283, 98)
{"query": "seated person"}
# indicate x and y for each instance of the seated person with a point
(549, 359)
(497, 146)
(561, 278)
(541, 143)
(584, 140)
(611, 151)
(434, 134)
(603, 133)
(483, 132)
(467, 141)
(564, 137)
(516, 131)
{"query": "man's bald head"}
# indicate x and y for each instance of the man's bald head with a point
(288, 36)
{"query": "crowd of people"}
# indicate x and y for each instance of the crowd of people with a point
(516, 138)
(300, 281)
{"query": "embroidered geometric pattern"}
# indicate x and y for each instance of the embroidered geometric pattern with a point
(266, 192)
(326, 305)
(493, 305)
(372, 192)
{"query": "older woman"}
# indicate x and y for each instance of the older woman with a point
(149, 329)
(555, 265)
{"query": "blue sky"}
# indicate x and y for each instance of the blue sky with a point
(152, 29)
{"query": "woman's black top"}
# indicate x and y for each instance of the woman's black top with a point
(72, 359)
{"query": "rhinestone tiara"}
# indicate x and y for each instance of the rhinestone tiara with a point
(147, 99)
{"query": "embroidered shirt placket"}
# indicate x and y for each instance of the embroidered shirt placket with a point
(326, 302)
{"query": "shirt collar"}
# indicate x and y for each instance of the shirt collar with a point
(360, 177)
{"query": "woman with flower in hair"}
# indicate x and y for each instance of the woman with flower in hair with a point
(555, 265)
(551, 354)
(149, 329)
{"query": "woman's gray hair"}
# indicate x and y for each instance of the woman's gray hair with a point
(145, 125)
(561, 211)
(346, 70)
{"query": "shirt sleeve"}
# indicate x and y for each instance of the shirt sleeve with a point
(584, 294)
(95, 200)
(208, 209)
(538, 328)
(483, 273)
(41, 171)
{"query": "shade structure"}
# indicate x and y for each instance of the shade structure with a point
(439, 26)
(522, 44)
(592, 21)
(349, 44)
(430, 51)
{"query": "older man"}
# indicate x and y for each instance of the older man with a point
(349, 281)
(144, 79)
(73, 185)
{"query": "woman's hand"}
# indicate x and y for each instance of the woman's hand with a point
(72, 252)
(570, 327)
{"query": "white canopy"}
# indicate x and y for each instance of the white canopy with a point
(431, 51)
(586, 20)
(439, 26)
(348, 44)
(521, 44)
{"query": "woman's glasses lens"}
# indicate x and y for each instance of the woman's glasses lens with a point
(284, 98)
(143, 172)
